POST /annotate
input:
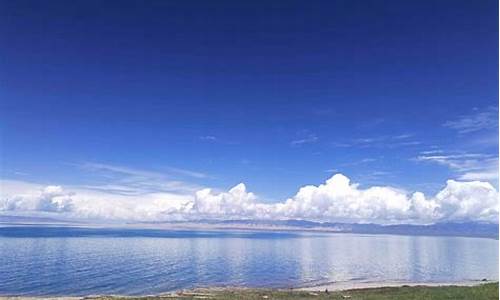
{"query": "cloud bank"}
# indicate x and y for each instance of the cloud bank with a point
(336, 200)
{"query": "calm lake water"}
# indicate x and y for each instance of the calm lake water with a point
(62, 261)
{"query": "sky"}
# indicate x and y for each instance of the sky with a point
(247, 109)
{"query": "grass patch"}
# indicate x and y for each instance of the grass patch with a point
(479, 292)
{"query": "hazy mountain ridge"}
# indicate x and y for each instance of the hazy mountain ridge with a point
(446, 229)
(469, 229)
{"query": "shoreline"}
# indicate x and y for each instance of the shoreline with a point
(331, 287)
(360, 285)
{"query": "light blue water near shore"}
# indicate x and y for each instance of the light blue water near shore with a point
(61, 261)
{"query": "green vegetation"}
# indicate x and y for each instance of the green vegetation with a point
(484, 291)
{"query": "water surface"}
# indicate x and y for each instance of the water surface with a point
(78, 261)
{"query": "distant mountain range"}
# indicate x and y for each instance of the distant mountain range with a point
(472, 229)
(468, 229)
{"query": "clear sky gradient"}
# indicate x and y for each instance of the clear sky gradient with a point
(275, 94)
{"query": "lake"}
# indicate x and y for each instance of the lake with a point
(79, 261)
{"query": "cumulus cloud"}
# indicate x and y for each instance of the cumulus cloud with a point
(472, 200)
(340, 200)
(336, 200)
(50, 198)
(83, 203)
(236, 202)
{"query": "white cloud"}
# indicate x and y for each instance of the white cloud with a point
(129, 181)
(361, 161)
(50, 199)
(340, 200)
(483, 175)
(237, 202)
(311, 138)
(472, 200)
(210, 138)
(468, 166)
(384, 141)
(90, 204)
(479, 120)
(187, 173)
(336, 200)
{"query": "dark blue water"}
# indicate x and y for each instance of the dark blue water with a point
(79, 261)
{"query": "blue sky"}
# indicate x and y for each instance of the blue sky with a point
(276, 95)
